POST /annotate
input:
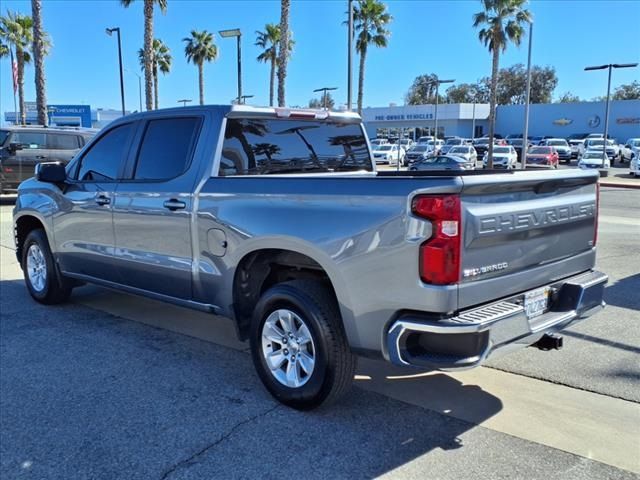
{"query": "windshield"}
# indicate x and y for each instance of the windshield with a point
(501, 150)
(599, 143)
(454, 141)
(540, 150)
(559, 143)
(419, 148)
(270, 146)
(384, 148)
(483, 141)
(459, 150)
(635, 143)
(4, 134)
(588, 155)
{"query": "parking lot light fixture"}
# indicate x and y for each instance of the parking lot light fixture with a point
(184, 101)
(109, 32)
(610, 67)
(235, 32)
(243, 99)
(324, 91)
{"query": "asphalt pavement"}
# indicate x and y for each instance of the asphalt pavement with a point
(87, 393)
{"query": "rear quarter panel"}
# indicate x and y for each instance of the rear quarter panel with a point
(358, 229)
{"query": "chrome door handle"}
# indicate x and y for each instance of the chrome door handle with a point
(102, 200)
(174, 204)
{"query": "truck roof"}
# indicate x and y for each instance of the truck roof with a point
(248, 110)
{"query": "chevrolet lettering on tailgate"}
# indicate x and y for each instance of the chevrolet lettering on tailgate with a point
(537, 218)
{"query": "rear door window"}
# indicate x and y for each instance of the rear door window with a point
(103, 160)
(166, 148)
(30, 139)
(273, 146)
(58, 141)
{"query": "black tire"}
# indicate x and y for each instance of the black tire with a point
(335, 364)
(57, 289)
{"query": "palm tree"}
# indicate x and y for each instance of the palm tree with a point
(283, 52)
(501, 22)
(16, 30)
(4, 49)
(371, 19)
(161, 60)
(199, 49)
(269, 40)
(148, 44)
(39, 52)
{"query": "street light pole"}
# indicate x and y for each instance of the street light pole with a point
(139, 86)
(525, 134)
(610, 67)
(349, 56)
(110, 32)
(473, 121)
(239, 67)
(235, 32)
(243, 99)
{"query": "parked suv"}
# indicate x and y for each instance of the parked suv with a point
(21, 148)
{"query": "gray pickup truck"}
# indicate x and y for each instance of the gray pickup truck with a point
(277, 219)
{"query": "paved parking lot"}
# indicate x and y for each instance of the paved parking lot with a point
(87, 393)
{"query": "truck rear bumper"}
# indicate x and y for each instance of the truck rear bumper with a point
(469, 338)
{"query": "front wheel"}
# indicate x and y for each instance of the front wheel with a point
(43, 280)
(298, 345)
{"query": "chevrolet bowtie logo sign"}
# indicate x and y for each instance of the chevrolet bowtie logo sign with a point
(562, 121)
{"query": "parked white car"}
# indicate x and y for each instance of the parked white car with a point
(406, 143)
(574, 144)
(634, 166)
(613, 149)
(388, 153)
(450, 143)
(464, 151)
(630, 149)
(435, 146)
(425, 140)
(594, 159)
(504, 156)
(378, 141)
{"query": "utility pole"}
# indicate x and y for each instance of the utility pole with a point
(349, 56)
(525, 134)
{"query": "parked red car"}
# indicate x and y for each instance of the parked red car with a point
(542, 157)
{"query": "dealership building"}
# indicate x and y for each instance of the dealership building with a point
(461, 119)
(67, 116)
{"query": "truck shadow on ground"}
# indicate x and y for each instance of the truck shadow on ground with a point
(624, 292)
(85, 393)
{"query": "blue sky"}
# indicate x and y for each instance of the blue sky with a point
(427, 36)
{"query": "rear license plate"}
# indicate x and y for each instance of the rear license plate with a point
(536, 302)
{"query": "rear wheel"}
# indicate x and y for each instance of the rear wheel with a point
(44, 282)
(298, 345)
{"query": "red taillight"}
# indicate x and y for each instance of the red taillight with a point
(595, 231)
(440, 255)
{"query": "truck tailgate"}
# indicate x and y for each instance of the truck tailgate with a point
(525, 230)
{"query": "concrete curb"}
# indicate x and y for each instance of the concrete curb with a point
(619, 185)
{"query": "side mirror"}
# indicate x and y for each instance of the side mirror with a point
(51, 172)
(14, 147)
